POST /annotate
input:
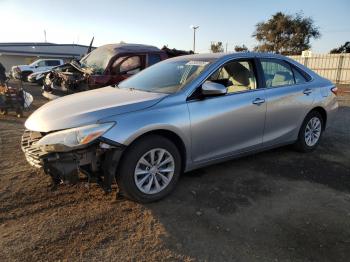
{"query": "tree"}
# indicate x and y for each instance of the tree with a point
(342, 49)
(241, 48)
(286, 34)
(216, 47)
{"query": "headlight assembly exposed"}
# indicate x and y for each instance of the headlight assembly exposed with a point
(73, 138)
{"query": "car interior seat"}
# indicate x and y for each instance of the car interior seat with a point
(281, 78)
(240, 77)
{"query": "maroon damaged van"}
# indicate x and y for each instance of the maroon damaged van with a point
(106, 65)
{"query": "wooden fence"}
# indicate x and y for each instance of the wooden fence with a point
(335, 67)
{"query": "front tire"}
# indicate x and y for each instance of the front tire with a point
(24, 75)
(310, 132)
(149, 169)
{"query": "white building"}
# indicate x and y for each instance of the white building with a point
(24, 53)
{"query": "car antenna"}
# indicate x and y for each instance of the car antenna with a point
(90, 46)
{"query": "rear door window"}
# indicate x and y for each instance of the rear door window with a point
(153, 59)
(52, 63)
(277, 73)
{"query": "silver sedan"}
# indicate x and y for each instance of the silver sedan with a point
(178, 115)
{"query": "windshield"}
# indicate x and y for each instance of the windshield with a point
(166, 77)
(34, 63)
(97, 60)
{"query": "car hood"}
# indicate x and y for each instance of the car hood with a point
(89, 107)
(22, 66)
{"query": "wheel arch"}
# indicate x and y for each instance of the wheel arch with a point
(172, 136)
(25, 73)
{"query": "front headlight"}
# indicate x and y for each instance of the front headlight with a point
(73, 138)
(47, 79)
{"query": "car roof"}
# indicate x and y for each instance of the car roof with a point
(221, 57)
(216, 56)
(129, 48)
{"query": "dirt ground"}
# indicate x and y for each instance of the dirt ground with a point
(278, 205)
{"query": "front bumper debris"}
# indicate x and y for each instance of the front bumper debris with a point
(50, 95)
(98, 161)
(32, 153)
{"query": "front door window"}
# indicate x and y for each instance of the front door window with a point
(237, 76)
(127, 65)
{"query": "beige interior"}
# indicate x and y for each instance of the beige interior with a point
(281, 79)
(240, 76)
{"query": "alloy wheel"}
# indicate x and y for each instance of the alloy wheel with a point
(154, 171)
(313, 131)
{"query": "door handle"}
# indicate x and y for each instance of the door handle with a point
(258, 101)
(307, 91)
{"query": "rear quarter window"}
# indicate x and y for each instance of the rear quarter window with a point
(300, 76)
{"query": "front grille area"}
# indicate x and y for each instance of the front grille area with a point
(32, 153)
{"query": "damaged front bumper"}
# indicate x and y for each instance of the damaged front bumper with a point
(97, 161)
(52, 94)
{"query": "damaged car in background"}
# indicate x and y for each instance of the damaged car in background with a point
(178, 115)
(38, 77)
(22, 72)
(106, 65)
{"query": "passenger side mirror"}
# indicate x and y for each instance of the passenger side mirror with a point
(212, 89)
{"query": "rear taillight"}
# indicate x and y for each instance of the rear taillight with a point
(334, 90)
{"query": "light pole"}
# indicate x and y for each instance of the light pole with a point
(194, 36)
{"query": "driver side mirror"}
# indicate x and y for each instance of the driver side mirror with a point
(212, 89)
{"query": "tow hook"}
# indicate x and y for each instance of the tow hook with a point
(109, 168)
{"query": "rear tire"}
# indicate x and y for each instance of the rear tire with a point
(310, 132)
(149, 169)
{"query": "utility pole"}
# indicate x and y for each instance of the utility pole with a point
(194, 36)
(45, 35)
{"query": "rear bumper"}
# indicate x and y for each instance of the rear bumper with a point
(332, 110)
(99, 160)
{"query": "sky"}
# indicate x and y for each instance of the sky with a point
(164, 22)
